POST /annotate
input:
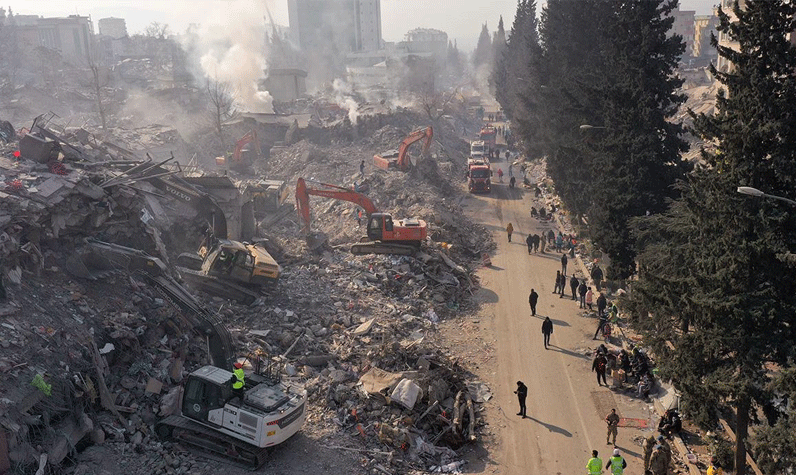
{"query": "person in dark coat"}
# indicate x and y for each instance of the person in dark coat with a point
(532, 299)
(529, 242)
(597, 276)
(547, 330)
(536, 239)
(558, 282)
(564, 264)
(601, 304)
(582, 289)
(562, 286)
(598, 365)
(573, 286)
(522, 393)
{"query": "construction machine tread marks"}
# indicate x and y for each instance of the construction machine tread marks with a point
(212, 443)
(215, 286)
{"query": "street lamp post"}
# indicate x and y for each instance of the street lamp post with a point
(748, 190)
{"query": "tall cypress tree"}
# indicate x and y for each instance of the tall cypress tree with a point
(571, 34)
(482, 56)
(714, 259)
(637, 157)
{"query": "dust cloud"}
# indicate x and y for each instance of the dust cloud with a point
(231, 48)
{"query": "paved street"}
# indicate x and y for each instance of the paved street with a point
(565, 406)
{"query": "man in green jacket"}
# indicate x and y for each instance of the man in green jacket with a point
(595, 464)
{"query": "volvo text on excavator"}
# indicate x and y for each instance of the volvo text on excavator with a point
(399, 159)
(211, 418)
(385, 235)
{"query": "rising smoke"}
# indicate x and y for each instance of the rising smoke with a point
(230, 47)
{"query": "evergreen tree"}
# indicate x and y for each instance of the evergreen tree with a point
(637, 157)
(712, 277)
(516, 77)
(483, 50)
(498, 43)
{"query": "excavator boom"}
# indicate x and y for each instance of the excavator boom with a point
(388, 160)
(328, 191)
(385, 235)
(102, 257)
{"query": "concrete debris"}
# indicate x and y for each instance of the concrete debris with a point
(358, 331)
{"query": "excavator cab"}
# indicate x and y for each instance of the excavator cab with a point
(202, 396)
(378, 224)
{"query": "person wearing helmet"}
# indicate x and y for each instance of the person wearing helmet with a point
(238, 382)
(714, 468)
(617, 464)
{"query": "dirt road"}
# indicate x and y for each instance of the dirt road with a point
(565, 406)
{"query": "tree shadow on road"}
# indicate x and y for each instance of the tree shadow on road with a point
(568, 353)
(551, 427)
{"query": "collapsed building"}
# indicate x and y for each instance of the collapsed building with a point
(100, 357)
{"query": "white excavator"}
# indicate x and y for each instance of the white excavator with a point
(239, 427)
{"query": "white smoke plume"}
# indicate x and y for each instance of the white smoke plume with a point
(343, 98)
(230, 47)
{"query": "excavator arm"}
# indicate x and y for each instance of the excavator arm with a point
(249, 138)
(402, 162)
(101, 257)
(303, 193)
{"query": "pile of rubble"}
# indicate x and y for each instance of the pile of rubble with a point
(100, 362)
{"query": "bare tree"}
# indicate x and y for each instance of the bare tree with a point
(99, 80)
(222, 106)
(157, 30)
(436, 104)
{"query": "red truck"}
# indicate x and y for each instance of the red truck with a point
(479, 176)
(489, 135)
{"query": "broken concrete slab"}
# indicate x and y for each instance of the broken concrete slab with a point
(377, 380)
(406, 393)
(364, 328)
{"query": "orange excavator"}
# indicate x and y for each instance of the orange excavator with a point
(399, 159)
(247, 151)
(385, 235)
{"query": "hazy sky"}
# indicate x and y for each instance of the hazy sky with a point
(461, 19)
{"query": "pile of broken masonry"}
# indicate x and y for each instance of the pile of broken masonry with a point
(100, 362)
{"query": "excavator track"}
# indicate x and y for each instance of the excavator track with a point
(212, 444)
(376, 247)
(214, 286)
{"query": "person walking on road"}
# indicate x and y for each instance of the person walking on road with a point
(522, 393)
(547, 330)
(573, 286)
(612, 420)
(529, 242)
(532, 299)
(535, 243)
(543, 242)
(603, 321)
(599, 366)
(551, 237)
(558, 282)
(601, 304)
(564, 264)
(597, 276)
(617, 463)
(562, 286)
(582, 293)
(595, 464)
(509, 230)
(589, 296)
